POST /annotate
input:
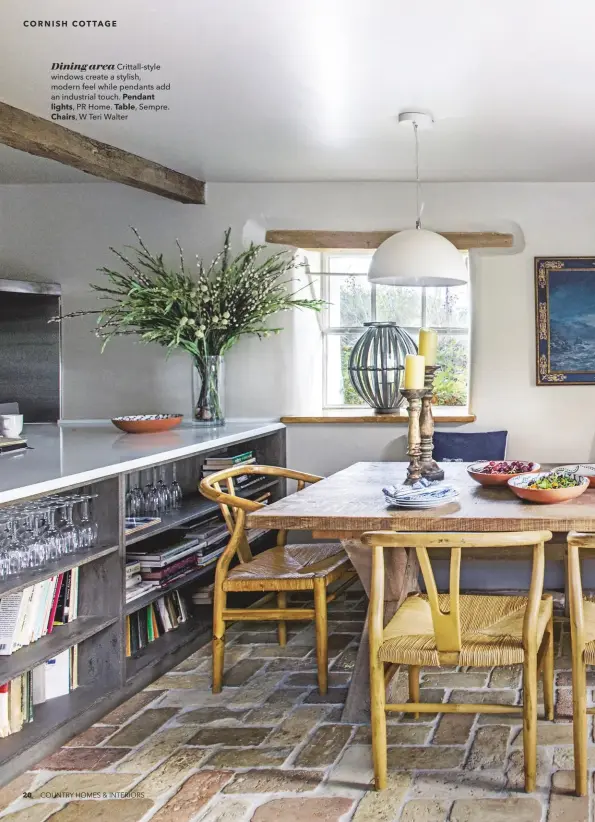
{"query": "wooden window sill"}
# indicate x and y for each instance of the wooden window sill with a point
(441, 415)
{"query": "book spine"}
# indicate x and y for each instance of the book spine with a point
(67, 586)
(49, 598)
(4, 714)
(128, 641)
(10, 613)
(73, 610)
(15, 710)
(52, 615)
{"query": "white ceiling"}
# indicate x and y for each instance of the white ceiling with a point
(285, 90)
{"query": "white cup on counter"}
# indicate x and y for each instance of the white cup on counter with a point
(12, 425)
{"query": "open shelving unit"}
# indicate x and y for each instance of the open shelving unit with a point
(194, 507)
(106, 676)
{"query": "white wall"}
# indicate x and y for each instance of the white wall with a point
(62, 233)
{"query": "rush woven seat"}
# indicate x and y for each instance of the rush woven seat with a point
(436, 629)
(300, 563)
(491, 630)
(276, 572)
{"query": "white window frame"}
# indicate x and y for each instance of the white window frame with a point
(328, 330)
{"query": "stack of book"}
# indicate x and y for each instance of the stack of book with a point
(159, 563)
(25, 617)
(204, 596)
(148, 624)
(135, 587)
(213, 535)
(213, 464)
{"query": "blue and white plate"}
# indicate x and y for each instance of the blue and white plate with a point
(420, 495)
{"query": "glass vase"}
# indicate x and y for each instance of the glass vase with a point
(208, 391)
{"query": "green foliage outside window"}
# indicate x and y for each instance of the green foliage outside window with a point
(404, 305)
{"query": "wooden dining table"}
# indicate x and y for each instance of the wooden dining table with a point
(350, 502)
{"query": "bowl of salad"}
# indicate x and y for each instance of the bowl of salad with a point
(498, 472)
(548, 486)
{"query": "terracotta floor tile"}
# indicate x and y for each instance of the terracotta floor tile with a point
(81, 759)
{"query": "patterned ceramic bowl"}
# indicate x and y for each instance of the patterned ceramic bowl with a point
(475, 470)
(147, 423)
(583, 469)
(519, 486)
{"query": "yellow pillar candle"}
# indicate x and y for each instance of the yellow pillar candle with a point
(428, 345)
(414, 371)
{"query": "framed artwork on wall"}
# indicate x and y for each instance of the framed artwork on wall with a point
(565, 320)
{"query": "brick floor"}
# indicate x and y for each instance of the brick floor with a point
(271, 749)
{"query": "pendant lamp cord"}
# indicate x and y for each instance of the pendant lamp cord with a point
(419, 204)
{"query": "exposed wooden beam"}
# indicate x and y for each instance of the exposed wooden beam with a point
(27, 132)
(372, 239)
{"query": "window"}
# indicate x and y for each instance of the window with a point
(354, 301)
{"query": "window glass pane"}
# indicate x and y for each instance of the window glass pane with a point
(447, 307)
(339, 390)
(350, 299)
(349, 263)
(399, 304)
(451, 380)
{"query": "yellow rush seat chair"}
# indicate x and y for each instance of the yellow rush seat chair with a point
(435, 629)
(278, 571)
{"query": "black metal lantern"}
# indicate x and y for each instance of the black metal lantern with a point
(376, 362)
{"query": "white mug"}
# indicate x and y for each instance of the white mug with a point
(12, 424)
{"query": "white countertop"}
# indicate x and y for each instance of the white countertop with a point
(79, 453)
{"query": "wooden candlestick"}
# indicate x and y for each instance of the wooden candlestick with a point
(429, 467)
(414, 399)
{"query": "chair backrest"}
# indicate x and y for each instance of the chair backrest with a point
(447, 623)
(578, 542)
(234, 507)
(479, 445)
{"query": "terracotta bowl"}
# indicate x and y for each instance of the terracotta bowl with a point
(147, 423)
(545, 496)
(474, 471)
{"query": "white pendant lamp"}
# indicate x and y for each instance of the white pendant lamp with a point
(416, 256)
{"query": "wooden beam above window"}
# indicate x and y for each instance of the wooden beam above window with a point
(358, 240)
(27, 132)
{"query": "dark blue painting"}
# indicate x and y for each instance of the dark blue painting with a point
(565, 304)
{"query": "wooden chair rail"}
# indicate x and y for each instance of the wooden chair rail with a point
(452, 708)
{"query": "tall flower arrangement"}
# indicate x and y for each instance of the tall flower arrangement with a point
(204, 312)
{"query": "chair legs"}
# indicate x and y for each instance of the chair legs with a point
(530, 721)
(282, 625)
(548, 671)
(321, 626)
(413, 672)
(579, 720)
(219, 601)
(378, 722)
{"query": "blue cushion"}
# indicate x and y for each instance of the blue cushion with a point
(484, 445)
